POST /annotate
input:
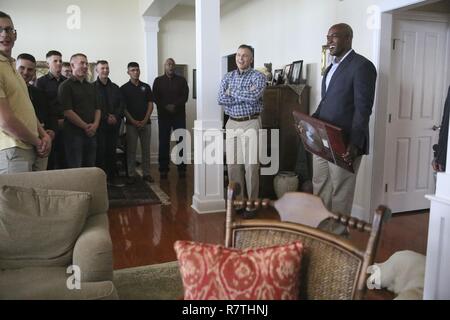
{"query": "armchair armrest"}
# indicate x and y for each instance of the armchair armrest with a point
(92, 180)
(93, 250)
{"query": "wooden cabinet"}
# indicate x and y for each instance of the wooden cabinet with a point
(279, 102)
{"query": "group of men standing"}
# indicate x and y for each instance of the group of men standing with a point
(77, 123)
(64, 121)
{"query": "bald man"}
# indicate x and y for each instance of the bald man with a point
(171, 94)
(348, 90)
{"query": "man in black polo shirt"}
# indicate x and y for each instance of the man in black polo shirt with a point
(26, 66)
(112, 114)
(82, 112)
(139, 106)
(50, 84)
(171, 93)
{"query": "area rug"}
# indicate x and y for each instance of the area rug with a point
(136, 194)
(152, 282)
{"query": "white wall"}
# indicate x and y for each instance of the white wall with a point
(110, 29)
(177, 40)
(281, 32)
(143, 5)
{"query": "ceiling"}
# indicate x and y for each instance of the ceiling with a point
(192, 2)
(442, 6)
(187, 2)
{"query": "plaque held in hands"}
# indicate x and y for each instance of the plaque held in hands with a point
(322, 139)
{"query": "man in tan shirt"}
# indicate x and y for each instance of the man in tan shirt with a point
(22, 139)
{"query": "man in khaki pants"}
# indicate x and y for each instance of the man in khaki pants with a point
(348, 90)
(241, 93)
(22, 138)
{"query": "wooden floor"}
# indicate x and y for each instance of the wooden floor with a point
(145, 235)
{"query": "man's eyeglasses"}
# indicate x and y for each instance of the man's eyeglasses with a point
(8, 30)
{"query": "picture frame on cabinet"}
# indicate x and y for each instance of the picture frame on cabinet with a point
(295, 72)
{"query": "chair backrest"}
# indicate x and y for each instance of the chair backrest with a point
(332, 267)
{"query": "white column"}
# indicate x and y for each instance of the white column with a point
(151, 46)
(208, 185)
(437, 275)
(151, 25)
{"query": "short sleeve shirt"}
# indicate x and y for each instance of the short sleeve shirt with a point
(137, 99)
(80, 96)
(14, 89)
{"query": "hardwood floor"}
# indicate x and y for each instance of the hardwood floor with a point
(146, 234)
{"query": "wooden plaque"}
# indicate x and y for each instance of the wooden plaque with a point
(322, 139)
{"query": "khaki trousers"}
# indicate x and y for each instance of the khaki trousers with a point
(242, 155)
(334, 185)
(16, 160)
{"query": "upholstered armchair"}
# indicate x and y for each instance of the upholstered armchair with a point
(33, 275)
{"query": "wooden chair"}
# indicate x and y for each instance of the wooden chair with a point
(332, 267)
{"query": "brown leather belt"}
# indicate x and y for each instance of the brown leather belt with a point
(247, 118)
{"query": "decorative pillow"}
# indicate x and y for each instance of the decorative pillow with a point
(211, 272)
(38, 228)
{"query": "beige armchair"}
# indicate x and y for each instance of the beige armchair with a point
(92, 252)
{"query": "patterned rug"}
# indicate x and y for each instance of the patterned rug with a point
(153, 282)
(136, 194)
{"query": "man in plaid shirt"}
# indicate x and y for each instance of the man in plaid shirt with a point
(241, 94)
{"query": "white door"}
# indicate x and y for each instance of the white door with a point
(416, 97)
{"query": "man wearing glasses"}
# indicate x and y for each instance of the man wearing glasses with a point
(22, 139)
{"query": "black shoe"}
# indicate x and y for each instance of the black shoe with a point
(131, 180)
(163, 176)
(182, 174)
(148, 179)
(114, 182)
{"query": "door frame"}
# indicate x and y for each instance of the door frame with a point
(382, 43)
(417, 16)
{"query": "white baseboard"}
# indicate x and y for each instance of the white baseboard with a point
(360, 213)
(208, 206)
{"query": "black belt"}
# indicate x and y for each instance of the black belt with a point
(247, 118)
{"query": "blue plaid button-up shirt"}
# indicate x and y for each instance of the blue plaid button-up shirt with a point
(241, 94)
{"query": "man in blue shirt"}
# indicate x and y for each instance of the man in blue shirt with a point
(241, 94)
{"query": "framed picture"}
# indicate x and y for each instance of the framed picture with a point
(277, 76)
(326, 59)
(295, 75)
(42, 70)
(322, 139)
(181, 70)
(194, 83)
(287, 69)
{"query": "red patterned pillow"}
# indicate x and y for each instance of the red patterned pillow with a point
(213, 272)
